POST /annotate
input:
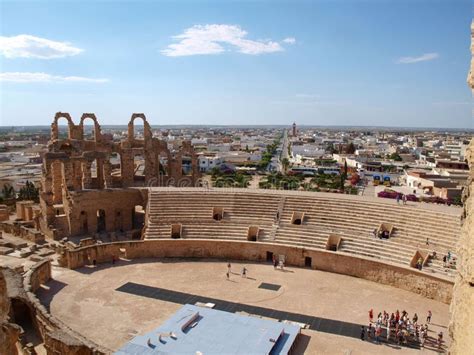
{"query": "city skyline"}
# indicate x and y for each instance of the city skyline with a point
(392, 64)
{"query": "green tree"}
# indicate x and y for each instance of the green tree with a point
(7, 191)
(286, 163)
(29, 192)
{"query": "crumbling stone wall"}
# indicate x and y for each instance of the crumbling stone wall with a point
(57, 337)
(77, 169)
(461, 327)
(9, 332)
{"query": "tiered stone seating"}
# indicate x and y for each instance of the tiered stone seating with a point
(356, 220)
(194, 211)
(352, 218)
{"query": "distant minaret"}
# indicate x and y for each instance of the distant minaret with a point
(294, 129)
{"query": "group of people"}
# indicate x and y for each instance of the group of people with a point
(229, 271)
(404, 199)
(399, 327)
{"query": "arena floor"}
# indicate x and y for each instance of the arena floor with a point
(88, 301)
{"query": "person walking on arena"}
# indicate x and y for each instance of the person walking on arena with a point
(428, 318)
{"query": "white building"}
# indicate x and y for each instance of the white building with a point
(206, 163)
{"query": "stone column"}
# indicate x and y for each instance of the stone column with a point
(77, 176)
(87, 175)
(107, 174)
(68, 174)
(100, 173)
(56, 168)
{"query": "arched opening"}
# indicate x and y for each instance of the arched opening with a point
(138, 127)
(83, 223)
(62, 128)
(88, 130)
(21, 315)
(101, 227)
(138, 217)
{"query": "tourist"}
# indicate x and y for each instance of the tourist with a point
(449, 255)
(404, 199)
(445, 258)
(440, 339)
(244, 272)
(428, 318)
(423, 336)
(362, 333)
(398, 198)
(369, 331)
(378, 332)
(419, 263)
(427, 241)
(375, 233)
(371, 315)
(388, 332)
(415, 318)
(227, 274)
(228, 268)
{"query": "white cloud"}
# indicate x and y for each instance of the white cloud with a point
(25, 77)
(27, 46)
(422, 58)
(215, 39)
(289, 40)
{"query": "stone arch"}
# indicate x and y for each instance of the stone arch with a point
(97, 133)
(146, 127)
(55, 127)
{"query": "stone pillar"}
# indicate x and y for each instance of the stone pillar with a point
(100, 173)
(68, 174)
(57, 177)
(107, 174)
(86, 175)
(77, 175)
(127, 168)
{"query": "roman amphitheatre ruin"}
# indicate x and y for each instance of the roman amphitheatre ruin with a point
(121, 252)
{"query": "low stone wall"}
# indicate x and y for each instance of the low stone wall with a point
(405, 278)
(23, 229)
(58, 338)
(40, 274)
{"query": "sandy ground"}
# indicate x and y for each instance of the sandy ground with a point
(87, 300)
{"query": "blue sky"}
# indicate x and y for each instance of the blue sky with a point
(387, 63)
